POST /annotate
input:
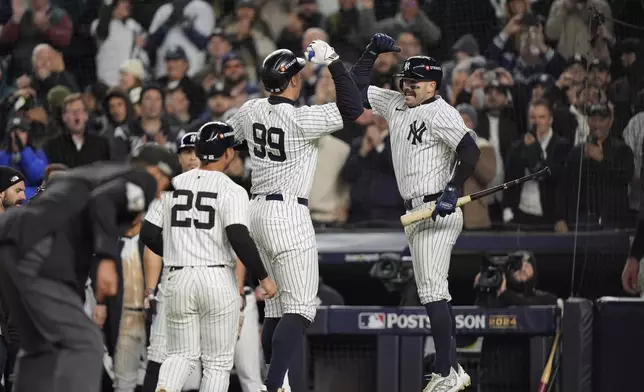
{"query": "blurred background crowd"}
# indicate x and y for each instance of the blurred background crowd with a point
(554, 83)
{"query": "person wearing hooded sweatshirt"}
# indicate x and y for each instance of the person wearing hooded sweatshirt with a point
(118, 111)
(19, 154)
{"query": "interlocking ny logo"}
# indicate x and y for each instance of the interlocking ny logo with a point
(415, 133)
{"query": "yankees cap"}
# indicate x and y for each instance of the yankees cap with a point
(187, 141)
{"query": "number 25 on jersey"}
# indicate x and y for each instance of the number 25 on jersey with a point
(189, 204)
(269, 143)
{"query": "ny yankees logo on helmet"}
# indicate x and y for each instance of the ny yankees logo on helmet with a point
(416, 133)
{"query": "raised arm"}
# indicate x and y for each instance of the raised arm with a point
(347, 94)
(361, 70)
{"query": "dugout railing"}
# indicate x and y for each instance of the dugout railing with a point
(381, 348)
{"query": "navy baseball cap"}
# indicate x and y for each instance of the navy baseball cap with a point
(176, 53)
(219, 89)
(600, 65)
(187, 141)
(577, 59)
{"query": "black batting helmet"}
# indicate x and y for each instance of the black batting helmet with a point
(187, 141)
(422, 68)
(213, 139)
(278, 69)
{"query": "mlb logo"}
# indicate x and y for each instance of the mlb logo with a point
(372, 321)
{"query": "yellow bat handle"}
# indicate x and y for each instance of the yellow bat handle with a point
(426, 213)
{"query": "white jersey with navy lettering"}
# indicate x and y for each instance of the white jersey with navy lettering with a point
(200, 292)
(423, 139)
(282, 141)
(194, 218)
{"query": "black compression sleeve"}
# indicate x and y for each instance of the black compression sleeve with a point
(468, 154)
(637, 247)
(152, 237)
(246, 250)
(361, 74)
(347, 95)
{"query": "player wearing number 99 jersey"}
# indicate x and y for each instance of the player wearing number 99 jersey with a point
(195, 228)
(282, 141)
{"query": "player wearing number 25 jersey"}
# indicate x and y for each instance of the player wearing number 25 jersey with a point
(195, 228)
(282, 141)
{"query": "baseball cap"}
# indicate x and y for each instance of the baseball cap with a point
(599, 65)
(219, 89)
(577, 59)
(187, 141)
(9, 177)
(599, 109)
(159, 156)
(543, 79)
(176, 53)
(629, 45)
(19, 123)
(246, 4)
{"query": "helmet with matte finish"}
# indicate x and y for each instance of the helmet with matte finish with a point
(422, 68)
(278, 69)
(213, 139)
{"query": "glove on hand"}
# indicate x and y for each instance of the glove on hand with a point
(319, 52)
(446, 203)
(382, 43)
(150, 305)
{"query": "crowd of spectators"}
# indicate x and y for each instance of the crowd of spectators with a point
(541, 82)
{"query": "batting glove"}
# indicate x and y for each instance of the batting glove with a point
(150, 303)
(446, 203)
(382, 43)
(319, 52)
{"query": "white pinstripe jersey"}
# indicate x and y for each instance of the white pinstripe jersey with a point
(283, 141)
(423, 139)
(195, 215)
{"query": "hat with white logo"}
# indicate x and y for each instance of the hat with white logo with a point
(9, 177)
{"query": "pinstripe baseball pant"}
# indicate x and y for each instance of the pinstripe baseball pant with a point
(129, 349)
(202, 313)
(285, 237)
(431, 246)
(157, 350)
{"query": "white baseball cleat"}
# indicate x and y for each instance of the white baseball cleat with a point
(464, 379)
(438, 383)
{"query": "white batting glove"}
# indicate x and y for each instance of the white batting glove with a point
(319, 52)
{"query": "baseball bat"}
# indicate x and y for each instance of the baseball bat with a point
(417, 216)
(547, 371)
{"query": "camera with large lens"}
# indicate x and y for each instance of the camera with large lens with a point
(394, 270)
(493, 269)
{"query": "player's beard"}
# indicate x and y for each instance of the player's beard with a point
(6, 204)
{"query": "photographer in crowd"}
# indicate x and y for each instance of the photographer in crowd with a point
(508, 281)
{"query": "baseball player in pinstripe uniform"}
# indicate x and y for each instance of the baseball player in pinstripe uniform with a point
(425, 132)
(282, 140)
(195, 229)
(156, 352)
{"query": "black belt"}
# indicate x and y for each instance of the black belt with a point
(280, 197)
(133, 309)
(426, 199)
(190, 266)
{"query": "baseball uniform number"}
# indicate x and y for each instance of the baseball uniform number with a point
(273, 138)
(188, 205)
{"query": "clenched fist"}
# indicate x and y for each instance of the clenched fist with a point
(319, 52)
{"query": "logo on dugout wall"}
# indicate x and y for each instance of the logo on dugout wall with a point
(416, 321)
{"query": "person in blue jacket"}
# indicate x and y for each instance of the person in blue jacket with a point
(19, 154)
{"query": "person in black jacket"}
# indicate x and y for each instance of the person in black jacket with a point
(533, 203)
(177, 78)
(76, 146)
(605, 165)
(46, 255)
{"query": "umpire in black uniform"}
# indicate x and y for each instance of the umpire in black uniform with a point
(46, 249)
